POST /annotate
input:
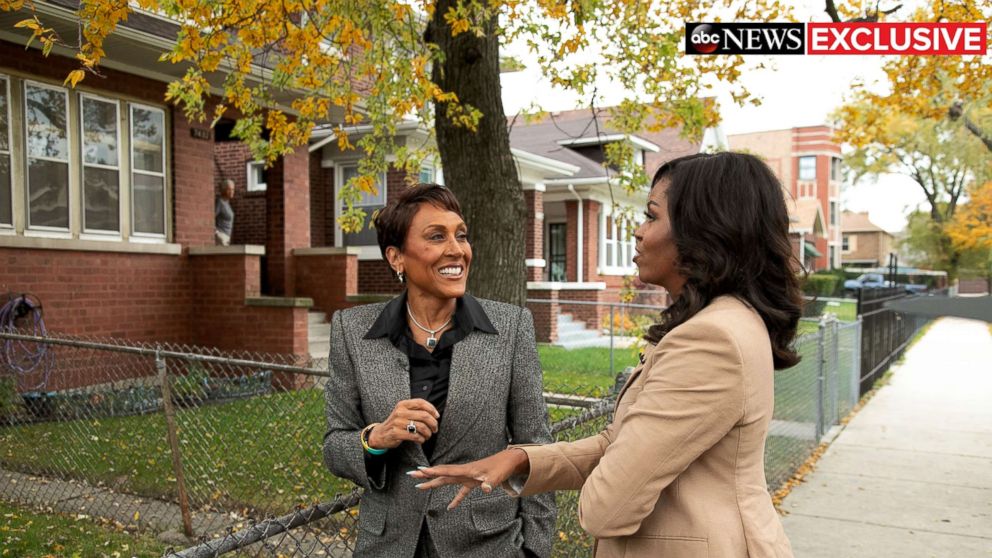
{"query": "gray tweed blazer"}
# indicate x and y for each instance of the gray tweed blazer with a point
(494, 399)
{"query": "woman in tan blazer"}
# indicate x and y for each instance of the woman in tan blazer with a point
(680, 470)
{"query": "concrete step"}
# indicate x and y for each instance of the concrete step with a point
(582, 343)
(315, 317)
(577, 336)
(565, 318)
(319, 332)
(569, 327)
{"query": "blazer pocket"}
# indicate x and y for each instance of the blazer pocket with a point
(493, 512)
(372, 514)
(664, 545)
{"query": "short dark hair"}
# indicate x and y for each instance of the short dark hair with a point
(731, 230)
(393, 221)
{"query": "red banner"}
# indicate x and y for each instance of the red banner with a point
(922, 39)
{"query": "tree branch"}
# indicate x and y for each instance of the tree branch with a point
(956, 111)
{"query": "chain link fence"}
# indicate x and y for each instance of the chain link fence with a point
(227, 446)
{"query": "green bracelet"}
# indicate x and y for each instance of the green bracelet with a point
(365, 442)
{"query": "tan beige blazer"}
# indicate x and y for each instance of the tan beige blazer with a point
(680, 471)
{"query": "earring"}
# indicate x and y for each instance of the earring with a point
(401, 276)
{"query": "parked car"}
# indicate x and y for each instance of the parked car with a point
(877, 281)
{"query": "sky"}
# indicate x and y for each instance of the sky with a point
(795, 91)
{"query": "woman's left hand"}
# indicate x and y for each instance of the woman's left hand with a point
(485, 473)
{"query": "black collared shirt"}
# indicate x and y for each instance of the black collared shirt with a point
(429, 371)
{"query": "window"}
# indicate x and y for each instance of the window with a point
(46, 112)
(807, 168)
(101, 165)
(426, 175)
(833, 214)
(836, 171)
(367, 199)
(148, 170)
(369, 202)
(847, 243)
(256, 176)
(6, 194)
(616, 245)
(86, 165)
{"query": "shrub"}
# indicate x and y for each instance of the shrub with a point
(824, 283)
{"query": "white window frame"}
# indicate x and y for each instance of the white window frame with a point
(146, 236)
(427, 168)
(252, 184)
(799, 173)
(9, 153)
(41, 230)
(623, 250)
(83, 164)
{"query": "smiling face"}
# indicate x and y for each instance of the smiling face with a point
(657, 254)
(436, 254)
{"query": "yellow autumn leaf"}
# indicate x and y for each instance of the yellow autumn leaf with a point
(74, 77)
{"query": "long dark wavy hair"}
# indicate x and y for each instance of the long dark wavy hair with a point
(731, 230)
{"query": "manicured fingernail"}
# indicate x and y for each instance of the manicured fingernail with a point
(419, 485)
(411, 473)
(421, 468)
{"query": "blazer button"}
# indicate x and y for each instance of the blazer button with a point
(432, 513)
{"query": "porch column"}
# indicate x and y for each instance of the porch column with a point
(287, 200)
(536, 262)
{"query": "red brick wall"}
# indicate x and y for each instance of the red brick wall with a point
(376, 277)
(545, 314)
(222, 320)
(288, 218)
(193, 184)
(321, 203)
(103, 294)
(534, 201)
(327, 279)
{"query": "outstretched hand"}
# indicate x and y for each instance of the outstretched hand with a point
(484, 474)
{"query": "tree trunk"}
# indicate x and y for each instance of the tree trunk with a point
(478, 166)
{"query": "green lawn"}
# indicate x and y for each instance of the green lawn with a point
(26, 534)
(263, 453)
(585, 371)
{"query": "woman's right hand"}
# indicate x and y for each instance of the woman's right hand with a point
(393, 432)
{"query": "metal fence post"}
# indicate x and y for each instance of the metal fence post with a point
(820, 356)
(835, 372)
(177, 459)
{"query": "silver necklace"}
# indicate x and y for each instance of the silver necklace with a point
(431, 340)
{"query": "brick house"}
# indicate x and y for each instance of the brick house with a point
(575, 251)
(808, 163)
(107, 204)
(864, 244)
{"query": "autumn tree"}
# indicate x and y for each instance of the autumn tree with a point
(956, 88)
(940, 156)
(378, 62)
(971, 229)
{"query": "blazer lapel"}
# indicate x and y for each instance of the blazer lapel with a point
(469, 384)
(386, 370)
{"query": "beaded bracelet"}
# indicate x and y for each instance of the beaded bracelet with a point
(365, 440)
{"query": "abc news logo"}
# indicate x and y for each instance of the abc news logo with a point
(836, 38)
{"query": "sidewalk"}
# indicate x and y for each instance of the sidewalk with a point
(911, 475)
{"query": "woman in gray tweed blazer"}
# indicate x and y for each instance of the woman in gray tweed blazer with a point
(432, 377)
